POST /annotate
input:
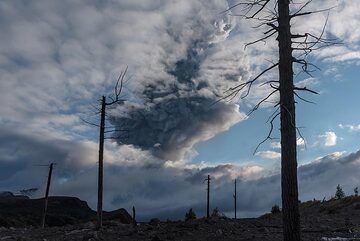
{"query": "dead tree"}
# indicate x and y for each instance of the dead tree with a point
(208, 196)
(235, 199)
(134, 216)
(101, 162)
(293, 48)
(104, 104)
(46, 195)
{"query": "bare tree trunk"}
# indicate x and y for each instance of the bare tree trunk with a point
(134, 216)
(235, 197)
(101, 159)
(289, 185)
(46, 195)
(208, 197)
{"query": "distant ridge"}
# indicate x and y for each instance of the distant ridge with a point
(21, 211)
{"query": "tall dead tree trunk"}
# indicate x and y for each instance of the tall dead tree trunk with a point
(208, 197)
(289, 185)
(114, 99)
(101, 163)
(134, 216)
(277, 19)
(46, 195)
(235, 197)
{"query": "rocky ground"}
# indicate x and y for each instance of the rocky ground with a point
(331, 220)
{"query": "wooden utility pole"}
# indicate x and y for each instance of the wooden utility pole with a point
(101, 163)
(235, 199)
(46, 195)
(208, 197)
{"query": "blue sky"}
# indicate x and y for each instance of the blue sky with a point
(58, 58)
(334, 106)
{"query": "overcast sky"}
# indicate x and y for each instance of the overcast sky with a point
(57, 58)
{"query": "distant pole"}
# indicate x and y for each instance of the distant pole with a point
(46, 195)
(101, 163)
(208, 197)
(134, 216)
(235, 199)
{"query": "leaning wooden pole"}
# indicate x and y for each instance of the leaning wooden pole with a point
(235, 197)
(208, 197)
(46, 195)
(101, 163)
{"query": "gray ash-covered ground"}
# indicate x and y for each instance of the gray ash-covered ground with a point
(319, 221)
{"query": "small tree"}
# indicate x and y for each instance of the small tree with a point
(275, 209)
(339, 194)
(356, 191)
(190, 215)
(215, 212)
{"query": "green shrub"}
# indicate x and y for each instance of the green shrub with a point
(190, 215)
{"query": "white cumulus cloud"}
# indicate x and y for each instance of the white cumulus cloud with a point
(269, 154)
(329, 138)
(351, 128)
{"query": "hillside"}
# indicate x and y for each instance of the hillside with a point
(330, 220)
(20, 211)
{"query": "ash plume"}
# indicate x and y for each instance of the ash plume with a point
(173, 105)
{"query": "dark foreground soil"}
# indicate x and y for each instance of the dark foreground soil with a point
(213, 229)
(332, 220)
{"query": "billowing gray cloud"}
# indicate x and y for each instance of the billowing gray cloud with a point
(172, 126)
(174, 110)
(58, 56)
(56, 59)
(163, 191)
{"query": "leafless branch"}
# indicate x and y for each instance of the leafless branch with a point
(262, 101)
(262, 39)
(89, 123)
(249, 6)
(305, 89)
(302, 44)
(299, 13)
(268, 137)
(269, 82)
(303, 99)
(301, 136)
(118, 89)
(236, 89)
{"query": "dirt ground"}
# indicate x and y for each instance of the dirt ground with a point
(212, 229)
(332, 220)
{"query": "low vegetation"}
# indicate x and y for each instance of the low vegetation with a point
(190, 215)
(275, 209)
(339, 194)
